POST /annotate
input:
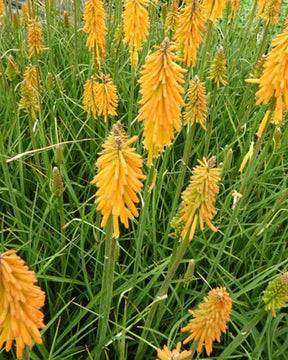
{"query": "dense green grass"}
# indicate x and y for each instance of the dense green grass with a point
(249, 249)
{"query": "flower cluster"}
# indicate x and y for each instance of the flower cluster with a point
(161, 87)
(35, 39)
(20, 303)
(210, 319)
(196, 109)
(118, 179)
(189, 30)
(95, 27)
(136, 26)
(198, 199)
(100, 97)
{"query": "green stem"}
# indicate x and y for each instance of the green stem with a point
(211, 120)
(206, 47)
(131, 100)
(157, 308)
(143, 221)
(263, 42)
(33, 139)
(107, 287)
(181, 179)
(26, 355)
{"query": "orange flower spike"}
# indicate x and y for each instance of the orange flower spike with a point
(136, 26)
(95, 27)
(199, 197)
(214, 8)
(210, 319)
(269, 10)
(167, 354)
(161, 87)
(189, 30)
(35, 39)
(172, 16)
(31, 77)
(90, 97)
(20, 303)
(234, 4)
(118, 179)
(196, 109)
(274, 80)
(107, 98)
(1, 10)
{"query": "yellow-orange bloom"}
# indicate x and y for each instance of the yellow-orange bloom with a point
(95, 27)
(210, 319)
(118, 179)
(90, 97)
(35, 39)
(234, 7)
(136, 26)
(274, 80)
(1, 10)
(269, 10)
(107, 98)
(100, 98)
(161, 87)
(29, 91)
(31, 76)
(167, 354)
(196, 109)
(214, 8)
(20, 303)
(172, 16)
(189, 30)
(199, 197)
(24, 17)
(218, 69)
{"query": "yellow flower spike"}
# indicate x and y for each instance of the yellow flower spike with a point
(20, 303)
(276, 294)
(118, 179)
(199, 197)
(264, 123)
(196, 109)
(214, 8)
(161, 87)
(177, 354)
(210, 319)
(172, 16)
(247, 157)
(136, 26)
(35, 39)
(90, 97)
(29, 91)
(107, 98)
(274, 80)
(189, 30)
(269, 10)
(218, 71)
(95, 27)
